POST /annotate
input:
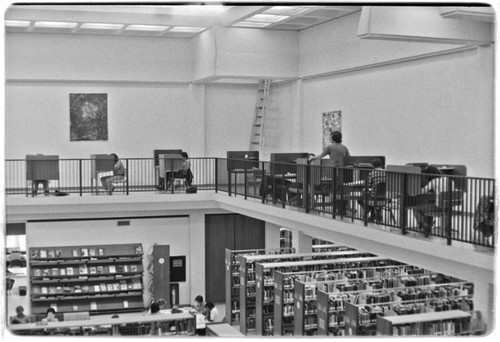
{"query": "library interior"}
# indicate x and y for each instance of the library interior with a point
(236, 170)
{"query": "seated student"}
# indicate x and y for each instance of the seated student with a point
(36, 184)
(50, 316)
(374, 179)
(436, 186)
(20, 317)
(118, 175)
(199, 305)
(212, 313)
(184, 172)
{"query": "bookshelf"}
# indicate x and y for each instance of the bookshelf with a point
(264, 286)
(443, 323)
(233, 278)
(97, 278)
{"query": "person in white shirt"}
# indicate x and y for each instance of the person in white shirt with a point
(213, 312)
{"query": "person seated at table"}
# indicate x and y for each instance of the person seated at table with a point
(199, 305)
(118, 175)
(212, 314)
(184, 172)
(437, 185)
(20, 317)
(36, 184)
(374, 179)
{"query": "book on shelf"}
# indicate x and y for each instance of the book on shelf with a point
(138, 249)
(45, 290)
(136, 284)
(66, 288)
(100, 269)
(62, 271)
(51, 253)
(77, 289)
(85, 288)
(133, 268)
(82, 269)
(52, 289)
(46, 272)
(97, 288)
(112, 269)
(92, 252)
(55, 271)
(109, 287)
(116, 287)
(37, 272)
(100, 251)
(103, 286)
(123, 285)
(119, 268)
(70, 271)
(93, 270)
(85, 252)
(36, 290)
(93, 306)
(59, 289)
(43, 253)
(75, 253)
(34, 253)
(125, 268)
(58, 253)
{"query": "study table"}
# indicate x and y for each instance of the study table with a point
(123, 318)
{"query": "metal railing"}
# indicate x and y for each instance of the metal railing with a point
(465, 214)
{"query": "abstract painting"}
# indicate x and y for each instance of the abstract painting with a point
(332, 121)
(88, 117)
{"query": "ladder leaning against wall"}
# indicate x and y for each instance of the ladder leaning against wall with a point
(257, 135)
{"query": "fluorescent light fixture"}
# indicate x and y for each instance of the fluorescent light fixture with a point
(55, 24)
(101, 26)
(286, 10)
(251, 24)
(17, 23)
(186, 29)
(268, 18)
(155, 28)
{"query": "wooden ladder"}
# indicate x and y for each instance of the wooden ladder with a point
(257, 135)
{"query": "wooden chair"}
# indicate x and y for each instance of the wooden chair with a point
(378, 199)
(447, 200)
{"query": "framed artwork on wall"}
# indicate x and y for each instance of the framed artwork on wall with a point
(332, 121)
(88, 117)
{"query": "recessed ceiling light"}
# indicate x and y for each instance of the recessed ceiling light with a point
(17, 23)
(101, 26)
(268, 18)
(186, 29)
(287, 10)
(55, 24)
(251, 24)
(147, 28)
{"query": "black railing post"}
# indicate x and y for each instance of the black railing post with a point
(263, 184)
(283, 191)
(365, 201)
(334, 192)
(306, 186)
(245, 181)
(449, 210)
(126, 176)
(216, 170)
(402, 204)
(80, 178)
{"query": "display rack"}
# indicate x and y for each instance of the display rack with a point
(233, 278)
(443, 323)
(264, 285)
(93, 278)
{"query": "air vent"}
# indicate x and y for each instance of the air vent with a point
(123, 223)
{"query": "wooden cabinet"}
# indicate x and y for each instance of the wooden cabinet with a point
(159, 267)
(97, 278)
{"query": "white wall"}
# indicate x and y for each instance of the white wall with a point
(437, 109)
(172, 231)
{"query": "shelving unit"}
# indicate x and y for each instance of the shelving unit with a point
(443, 323)
(264, 287)
(233, 278)
(97, 278)
(248, 285)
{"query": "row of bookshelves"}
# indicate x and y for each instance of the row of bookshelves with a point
(80, 252)
(122, 285)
